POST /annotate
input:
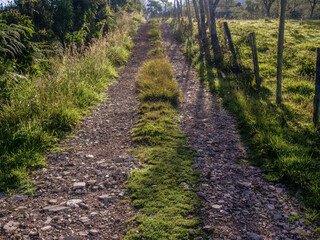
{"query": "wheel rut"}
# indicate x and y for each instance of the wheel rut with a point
(237, 202)
(81, 194)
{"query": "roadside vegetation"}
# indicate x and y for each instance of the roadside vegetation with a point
(282, 140)
(164, 189)
(47, 86)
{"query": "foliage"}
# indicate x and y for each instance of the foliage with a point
(63, 18)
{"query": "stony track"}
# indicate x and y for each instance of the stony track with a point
(81, 194)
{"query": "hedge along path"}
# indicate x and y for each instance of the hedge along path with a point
(81, 194)
(237, 202)
(164, 190)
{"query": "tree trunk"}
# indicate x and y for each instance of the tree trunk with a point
(181, 13)
(214, 36)
(280, 50)
(316, 104)
(175, 9)
(196, 10)
(204, 39)
(312, 10)
(268, 12)
(207, 12)
(189, 17)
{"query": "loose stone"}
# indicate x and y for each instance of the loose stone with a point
(106, 199)
(93, 232)
(56, 209)
(73, 203)
(46, 228)
(19, 197)
(208, 228)
(79, 185)
(84, 219)
(270, 206)
(11, 226)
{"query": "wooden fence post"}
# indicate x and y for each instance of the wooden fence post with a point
(316, 104)
(252, 38)
(231, 46)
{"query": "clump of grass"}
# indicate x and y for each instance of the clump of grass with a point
(155, 37)
(36, 112)
(155, 82)
(154, 30)
(164, 190)
(282, 139)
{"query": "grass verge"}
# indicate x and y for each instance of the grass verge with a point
(164, 190)
(37, 112)
(281, 139)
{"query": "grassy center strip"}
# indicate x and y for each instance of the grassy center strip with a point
(164, 190)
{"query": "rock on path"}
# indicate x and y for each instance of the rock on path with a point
(238, 203)
(80, 195)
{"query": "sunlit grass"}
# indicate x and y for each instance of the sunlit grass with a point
(281, 139)
(38, 111)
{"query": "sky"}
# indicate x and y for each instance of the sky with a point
(4, 1)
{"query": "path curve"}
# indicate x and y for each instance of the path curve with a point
(80, 195)
(238, 202)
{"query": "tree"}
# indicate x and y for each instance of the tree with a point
(313, 4)
(40, 11)
(189, 17)
(196, 10)
(153, 8)
(203, 30)
(280, 49)
(63, 18)
(213, 27)
(251, 7)
(267, 4)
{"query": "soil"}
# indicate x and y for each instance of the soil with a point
(237, 202)
(81, 194)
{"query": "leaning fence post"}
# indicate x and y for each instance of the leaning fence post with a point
(252, 38)
(231, 46)
(316, 104)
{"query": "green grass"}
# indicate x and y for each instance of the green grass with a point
(314, 23)
(36, 112)
(155, 38)
(282, 140)
(155, 82)
(164, 190)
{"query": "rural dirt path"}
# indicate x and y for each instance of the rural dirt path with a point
(238, 202)
(80, 195)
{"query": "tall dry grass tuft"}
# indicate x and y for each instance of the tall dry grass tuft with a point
(156, 83)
